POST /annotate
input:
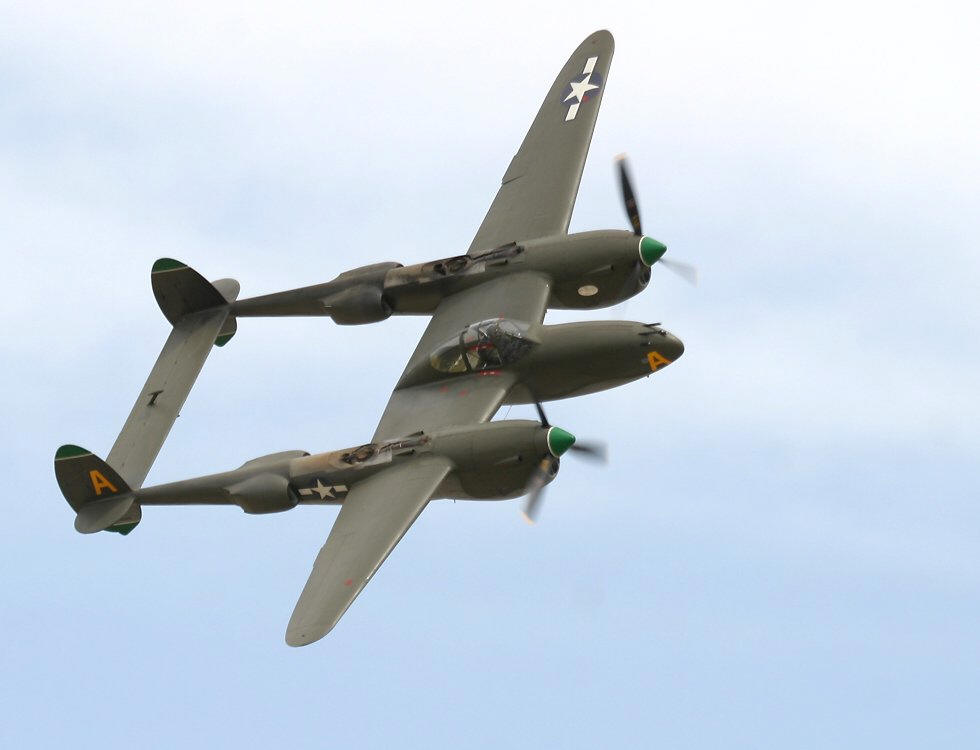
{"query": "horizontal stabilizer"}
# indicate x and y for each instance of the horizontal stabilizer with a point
(198, 310)
(101, 498)
(103, 515)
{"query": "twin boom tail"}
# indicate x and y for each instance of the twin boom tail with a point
(101, 492)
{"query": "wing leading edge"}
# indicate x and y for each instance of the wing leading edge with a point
(537, 193)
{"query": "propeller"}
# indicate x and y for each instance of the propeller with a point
(535, 488)
(649, 247)
(685, 270)
(591, 449)
(548, 467)
(629, 197)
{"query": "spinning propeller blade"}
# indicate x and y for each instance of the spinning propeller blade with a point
(592, 451)
(559, 441)
(685, 270)
(629, 197)
(651, 251)
(535, 488)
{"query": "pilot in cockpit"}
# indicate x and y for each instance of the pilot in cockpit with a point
(482, 346)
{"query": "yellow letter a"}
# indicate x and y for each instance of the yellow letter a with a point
(657, 360)
(99, 482)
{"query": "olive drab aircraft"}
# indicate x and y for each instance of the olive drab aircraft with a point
(485, 346)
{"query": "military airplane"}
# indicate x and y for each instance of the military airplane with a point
(486, 345)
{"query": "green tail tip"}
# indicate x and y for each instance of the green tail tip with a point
(167, 264)
(122, 528)
(651, 250)
(71, 451)
(559, 441)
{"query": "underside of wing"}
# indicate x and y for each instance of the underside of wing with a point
(372, 520)
(379, 510)
(537, 193)
(464, 400)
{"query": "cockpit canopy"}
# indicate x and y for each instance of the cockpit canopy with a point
(482, 346)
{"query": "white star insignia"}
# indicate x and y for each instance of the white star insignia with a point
(581, 88)
(323, 490)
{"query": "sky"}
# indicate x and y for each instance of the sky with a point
(784, 550)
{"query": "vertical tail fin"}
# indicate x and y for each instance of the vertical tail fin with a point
(100, 497)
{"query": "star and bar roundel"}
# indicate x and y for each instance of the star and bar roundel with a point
(581, 88)
(324, 491)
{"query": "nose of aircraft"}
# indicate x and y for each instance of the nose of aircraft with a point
(673, 347)
(662, 346)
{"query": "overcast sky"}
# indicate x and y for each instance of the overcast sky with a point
(784, 550)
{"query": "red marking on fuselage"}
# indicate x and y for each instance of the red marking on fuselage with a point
(349, 581)
(488, 372)
(463, 392)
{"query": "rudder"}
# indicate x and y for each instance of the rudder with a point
(101, 498)
(180, 290)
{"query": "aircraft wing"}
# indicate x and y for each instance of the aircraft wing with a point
(378, 511)
(372, 520)
(537, 193)
(465, 399)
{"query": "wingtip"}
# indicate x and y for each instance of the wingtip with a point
(304, 633)
(303, 637)
(602, 34)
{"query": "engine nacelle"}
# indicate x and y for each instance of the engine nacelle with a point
(356, 305)
(359, 297)
(498, 459)
(264, 493)
(273, 458)
(484, 445)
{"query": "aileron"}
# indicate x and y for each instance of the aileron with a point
(537, 192)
